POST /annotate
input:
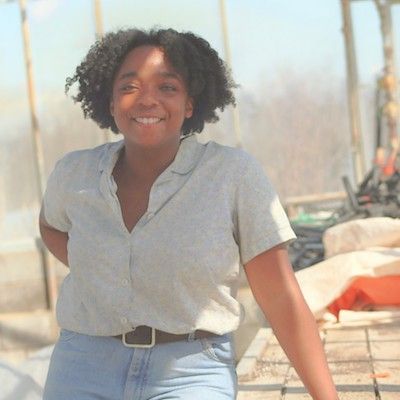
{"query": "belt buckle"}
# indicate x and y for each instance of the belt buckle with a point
(139, 345)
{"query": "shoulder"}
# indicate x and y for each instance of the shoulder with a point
(238, 161)
(228, 155)
(85, 159)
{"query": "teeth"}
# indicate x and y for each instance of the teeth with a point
(148, 120)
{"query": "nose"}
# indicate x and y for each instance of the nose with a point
(147, 97)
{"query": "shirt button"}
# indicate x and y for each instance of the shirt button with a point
(125, 282)
(150, 215)
(124, 320)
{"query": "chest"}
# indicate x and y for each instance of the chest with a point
(188, 231)
(133, 200)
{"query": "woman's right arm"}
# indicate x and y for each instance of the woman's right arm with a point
(55, 240)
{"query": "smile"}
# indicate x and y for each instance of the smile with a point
(147, 120)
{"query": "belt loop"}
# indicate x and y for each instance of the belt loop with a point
(191, 336)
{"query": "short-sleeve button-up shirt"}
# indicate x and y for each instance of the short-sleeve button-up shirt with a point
(211, 211)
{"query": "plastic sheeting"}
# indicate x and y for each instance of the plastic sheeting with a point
(369, 248)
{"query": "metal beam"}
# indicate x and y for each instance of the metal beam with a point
(98, 17)
(49, 269)
(235, 110)
(389, 84)
(99, 32)
(357, 148)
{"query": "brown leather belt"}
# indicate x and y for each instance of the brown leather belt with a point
(145, 336)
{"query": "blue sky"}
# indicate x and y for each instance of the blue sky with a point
(266, 37)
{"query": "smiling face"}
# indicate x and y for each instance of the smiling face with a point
(149, 99)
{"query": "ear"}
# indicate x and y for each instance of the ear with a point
(189, 107)
(112, 107)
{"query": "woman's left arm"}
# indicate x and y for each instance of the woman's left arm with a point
(275, 288)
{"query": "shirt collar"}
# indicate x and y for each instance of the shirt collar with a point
(110, 155)
(185, 160)
(187, 156)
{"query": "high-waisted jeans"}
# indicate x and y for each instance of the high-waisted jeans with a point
(86, 367)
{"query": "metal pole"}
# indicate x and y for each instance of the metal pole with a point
(389, 80)
(357, 149)
(98, 16)
(51, 281)
(235, 110)
(98, 20)
(36, 138)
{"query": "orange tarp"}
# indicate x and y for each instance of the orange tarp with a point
(368, 292)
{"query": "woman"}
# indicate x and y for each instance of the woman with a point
(155, 229)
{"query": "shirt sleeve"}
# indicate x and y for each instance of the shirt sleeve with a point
(54, 200)
(261, 222)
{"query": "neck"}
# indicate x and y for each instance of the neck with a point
(147, 163)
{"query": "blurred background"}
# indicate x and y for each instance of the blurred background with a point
(292, 114)
(287, 56)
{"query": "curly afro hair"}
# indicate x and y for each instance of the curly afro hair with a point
(206, 76)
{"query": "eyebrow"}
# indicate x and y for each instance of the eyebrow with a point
(164, 74)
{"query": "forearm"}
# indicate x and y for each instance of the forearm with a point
(295, 328)
(278, 294)
(56, 241)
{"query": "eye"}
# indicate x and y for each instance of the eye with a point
(128, 87)
(168, 88)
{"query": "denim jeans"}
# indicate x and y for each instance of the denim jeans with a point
(84, 367)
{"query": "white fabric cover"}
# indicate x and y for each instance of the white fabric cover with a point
(361, 234)
(360, 243)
